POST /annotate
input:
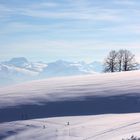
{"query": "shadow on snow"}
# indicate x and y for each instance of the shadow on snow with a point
(89, 106)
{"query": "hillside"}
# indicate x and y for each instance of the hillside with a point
(97, 95)
(96, 127)
(80, 95)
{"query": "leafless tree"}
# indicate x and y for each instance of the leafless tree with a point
(123, 60)
(110, 63)
(129, 62)
(120, 59)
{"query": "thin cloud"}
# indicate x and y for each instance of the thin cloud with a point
(126, 2)
(69, 26)
(46, 5)
(79, 14)
(71, 11)
(128, 29)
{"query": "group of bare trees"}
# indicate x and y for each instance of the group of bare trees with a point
(122, 60)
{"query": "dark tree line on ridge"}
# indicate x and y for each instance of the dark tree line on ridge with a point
(122, 60)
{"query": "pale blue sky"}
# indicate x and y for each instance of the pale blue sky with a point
(73, 30)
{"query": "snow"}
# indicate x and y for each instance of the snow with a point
(107, 127)
(72, 88)
(99, 106)
(20, 69)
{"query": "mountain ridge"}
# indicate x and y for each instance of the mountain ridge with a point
(19, 69)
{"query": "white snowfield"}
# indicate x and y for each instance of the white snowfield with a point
(102, 106)
(98, 127)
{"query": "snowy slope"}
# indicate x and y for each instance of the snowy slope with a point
(102, 96)
(98, 127)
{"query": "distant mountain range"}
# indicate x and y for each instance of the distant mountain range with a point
(20, 69)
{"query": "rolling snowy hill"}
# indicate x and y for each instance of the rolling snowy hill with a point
(101, 106)
(20, 69)
(97, 127)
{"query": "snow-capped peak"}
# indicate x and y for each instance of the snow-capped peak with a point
(18, 62)
(20, 68)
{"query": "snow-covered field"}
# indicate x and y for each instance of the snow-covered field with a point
(102, 106)
(98, 127)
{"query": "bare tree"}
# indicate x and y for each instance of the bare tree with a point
(129, 62)
(111, 62)
(123, 60)
(120, 59)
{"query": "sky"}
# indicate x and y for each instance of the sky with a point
(74, 30)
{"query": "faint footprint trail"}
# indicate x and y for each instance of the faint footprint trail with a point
(111, 130)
